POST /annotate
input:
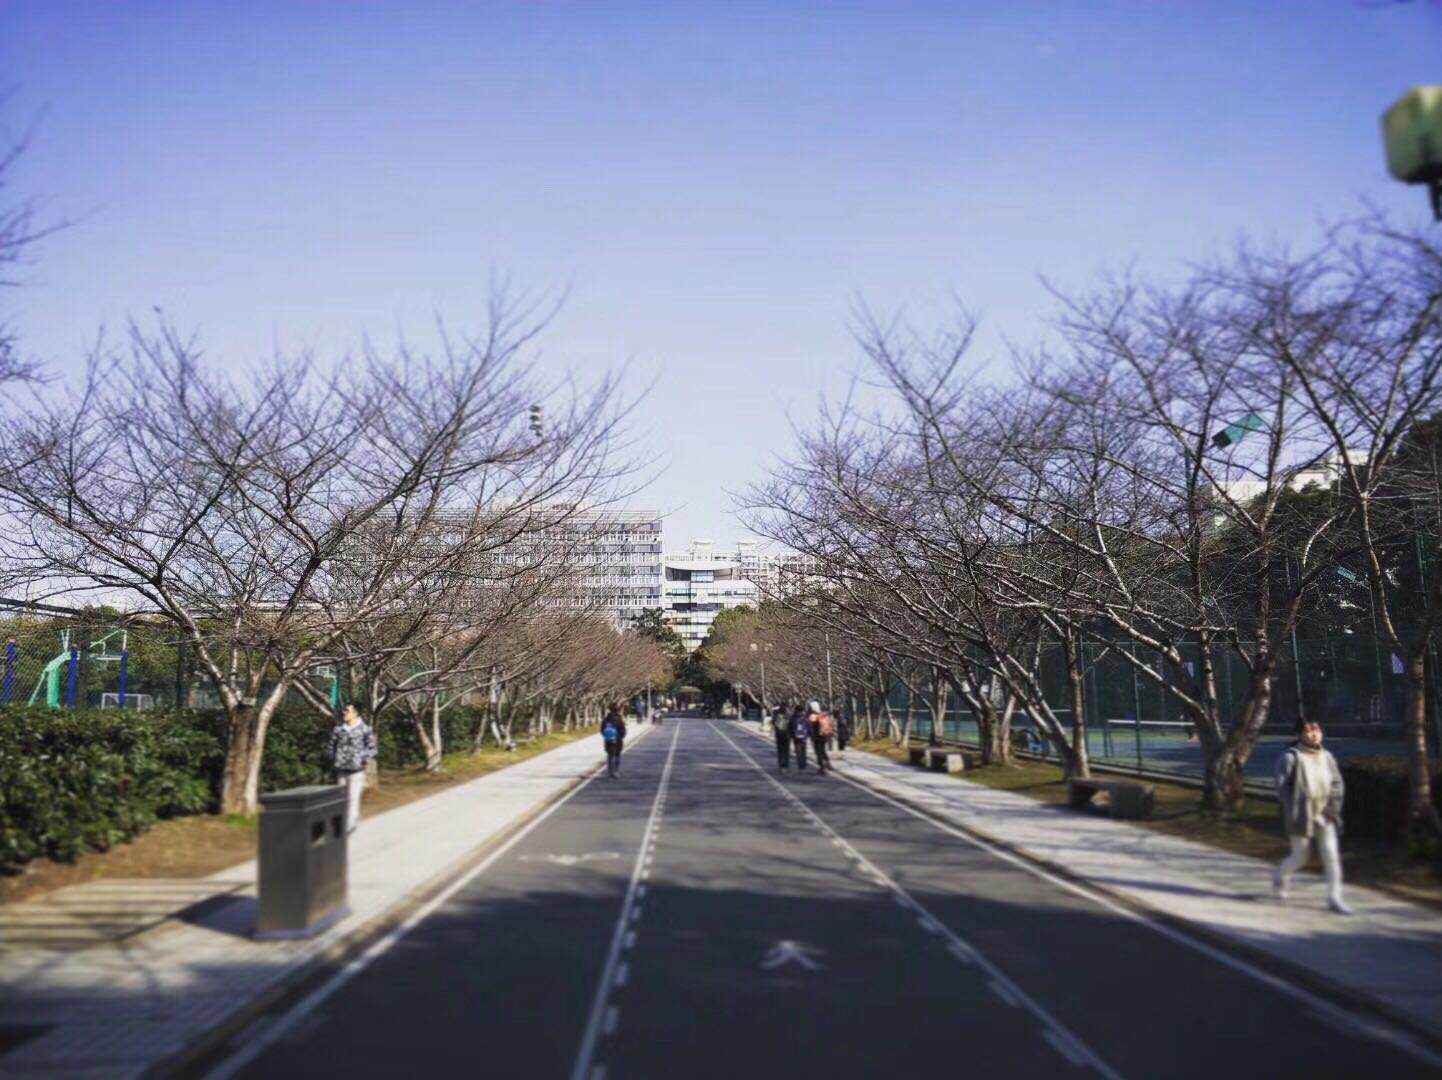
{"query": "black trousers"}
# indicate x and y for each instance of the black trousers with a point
(613, 759)
(799, 745)
(823, 757)
(783, 750)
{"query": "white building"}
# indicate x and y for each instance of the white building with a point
(700, 584)
(621, 562)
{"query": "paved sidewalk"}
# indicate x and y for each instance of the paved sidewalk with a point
(114, 1008)
(1390, 950)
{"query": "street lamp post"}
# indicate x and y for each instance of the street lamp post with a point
(762, 651)
(830, 698)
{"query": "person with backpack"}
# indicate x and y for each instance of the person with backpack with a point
(823, 728)
(352, 747)
(781, 731)
(613, 737)
(800, 727)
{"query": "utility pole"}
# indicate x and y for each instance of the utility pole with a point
(830, 703)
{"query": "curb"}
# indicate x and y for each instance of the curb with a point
(213, 1045)
(1334, 992)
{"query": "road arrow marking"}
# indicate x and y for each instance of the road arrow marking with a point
(572, 860)
(786, 952)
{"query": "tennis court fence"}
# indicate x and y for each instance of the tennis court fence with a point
(1352, 685)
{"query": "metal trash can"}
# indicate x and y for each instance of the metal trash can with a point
(302, 861)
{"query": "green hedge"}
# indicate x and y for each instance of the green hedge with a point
(1376, 803)
(85, 780)
(72, 782)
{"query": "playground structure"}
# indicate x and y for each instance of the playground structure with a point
(66, 665)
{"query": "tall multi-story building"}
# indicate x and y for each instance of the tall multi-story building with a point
(620, 562)
(774, 574)
(700, 584)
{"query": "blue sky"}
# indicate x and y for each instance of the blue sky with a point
(712, 184)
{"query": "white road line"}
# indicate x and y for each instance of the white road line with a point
(961, 952)
(1002, 991)
(1064, 1048)
(316, 998)
(641, 892)
(623, 975)
(999, 978)
(621, 938)
(1367, 1027)
(613, 1017)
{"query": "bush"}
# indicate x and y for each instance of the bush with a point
(71, 782)
(1376, 804)
(400, 746)
(78, 781)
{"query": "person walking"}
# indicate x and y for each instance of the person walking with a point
(781, 731)
(843, 730)
(1310, 791)
(352, 747)
(800, 726)
(823, 729)
(613, 737)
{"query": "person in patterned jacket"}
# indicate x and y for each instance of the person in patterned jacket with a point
(352, 747)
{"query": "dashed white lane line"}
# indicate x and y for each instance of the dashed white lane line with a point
(1000, 983)
(256, 1046)
(613, 1017)
(623, 975)
(622, 938)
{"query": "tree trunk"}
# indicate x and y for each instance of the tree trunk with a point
(242, 754)
(938, 709)
(1002, 753)
(1077, 687)
(435, 752)
(1420, 810)
(1222, 786)
(245, 746)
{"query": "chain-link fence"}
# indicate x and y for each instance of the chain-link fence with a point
(1351, 684)
(88, 661)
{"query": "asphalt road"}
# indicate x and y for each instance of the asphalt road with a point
(704, 916)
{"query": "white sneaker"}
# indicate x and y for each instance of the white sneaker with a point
(1279, 887)
(1339, 906)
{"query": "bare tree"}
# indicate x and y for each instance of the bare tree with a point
(272, 519)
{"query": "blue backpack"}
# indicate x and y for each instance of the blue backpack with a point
(610, 733)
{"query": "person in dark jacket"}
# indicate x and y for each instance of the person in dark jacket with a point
(781, 730)
(613, 737)
(800, 735)
(352, 747)
(843, 730)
